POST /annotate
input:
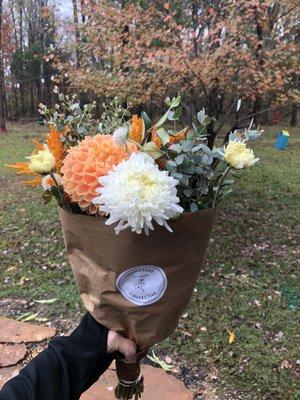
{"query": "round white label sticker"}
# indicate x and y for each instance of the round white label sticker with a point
(142, 285)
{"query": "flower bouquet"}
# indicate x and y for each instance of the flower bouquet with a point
(137, 204)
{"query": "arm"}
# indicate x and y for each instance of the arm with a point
(70, 365)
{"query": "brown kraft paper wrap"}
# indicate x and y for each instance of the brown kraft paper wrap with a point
(98, 257)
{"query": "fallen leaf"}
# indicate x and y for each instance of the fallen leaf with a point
(29, 317)
(285, 364)
(20, 317)
(161, 363)
(278, 336)
(50, 301)
(231, 336)
(257, 303)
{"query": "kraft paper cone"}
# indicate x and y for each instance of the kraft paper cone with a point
(137, 285)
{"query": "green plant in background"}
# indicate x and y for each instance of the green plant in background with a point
(114, 115)
(68, 116)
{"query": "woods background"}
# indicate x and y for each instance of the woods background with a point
(211, 52)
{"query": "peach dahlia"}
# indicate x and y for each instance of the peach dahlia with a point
(86, 163)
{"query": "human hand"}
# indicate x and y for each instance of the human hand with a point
(116, 342)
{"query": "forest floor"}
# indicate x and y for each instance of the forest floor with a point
(248, 288)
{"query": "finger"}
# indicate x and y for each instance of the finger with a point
(128, 348)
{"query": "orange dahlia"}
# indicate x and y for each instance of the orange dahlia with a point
(88, 161)
(136, 129)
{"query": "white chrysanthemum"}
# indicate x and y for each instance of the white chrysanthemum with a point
(136, 193)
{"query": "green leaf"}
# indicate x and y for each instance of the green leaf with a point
(81, 129)
(208, 160)
(179, 159)
(199, 170)
(163, 135)
(206, 149)
(162, 120)
(176, 148)
(203, 118)
(171, 166)
(168, 101)
(190, 170)
(225, 194)
(187, 192)
(228, 182)
(75, 106)
(252, 134)
(187, 145)
(194, 207)
(174, 115)
(175, 101)
(152, 150)
(172, 163)
(177, 175)
(147, 120)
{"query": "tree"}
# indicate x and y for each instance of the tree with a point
(2, 93)
(213, 52)
(29, 72)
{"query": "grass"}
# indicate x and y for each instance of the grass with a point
(248, 286)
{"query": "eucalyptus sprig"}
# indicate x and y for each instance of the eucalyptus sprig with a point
(115, 114)
(67, 115)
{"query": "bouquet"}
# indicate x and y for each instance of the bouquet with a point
(137, 204)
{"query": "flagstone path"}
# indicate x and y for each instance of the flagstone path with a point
(17, 337)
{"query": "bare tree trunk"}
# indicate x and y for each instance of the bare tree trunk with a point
(82, 11)
(16, 102)
(77, 33)
(2, 94)
(32, 100)
(294, 115)
(21, 42)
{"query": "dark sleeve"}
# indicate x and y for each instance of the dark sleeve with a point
(66, 369)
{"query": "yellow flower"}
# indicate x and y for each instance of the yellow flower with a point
(238, 156)
(42, 162)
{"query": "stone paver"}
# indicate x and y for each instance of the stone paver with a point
(158, 386)
(8, 373)
(11, 354)
(12, 331)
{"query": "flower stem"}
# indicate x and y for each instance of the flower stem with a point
(58, 189)
(220, 186)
